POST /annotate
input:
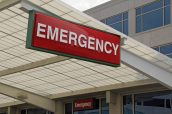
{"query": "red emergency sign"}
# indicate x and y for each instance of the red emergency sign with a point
(62, 37)
(84, 104)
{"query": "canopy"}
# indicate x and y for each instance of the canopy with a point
(53, 76)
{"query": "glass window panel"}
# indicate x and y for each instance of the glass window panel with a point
(138, 11)
(125, 15)
(68, 108)
(125, 27)
(152, 6)
(104, 107)
(23, 111)
(157, 103)
(117, 17)
(153, 103)
(87, 112)
(118, 22)
(166, 2)
(109, 20)
(114, 19)
(151, 12)
(167, 49)
(117, 26)
(127, 104)
(167, 15)
(168, 103)
(103, 103)
(138, 24)
(149, 19)
(36, 111)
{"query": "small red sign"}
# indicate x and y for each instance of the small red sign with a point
(84, 104)
(66, 38)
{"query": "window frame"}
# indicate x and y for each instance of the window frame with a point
(160, 46)
(141, 14)
(136, 93)
(121, 21)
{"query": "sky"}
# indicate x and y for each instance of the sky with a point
(84, 4)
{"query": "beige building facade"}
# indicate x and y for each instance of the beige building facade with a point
(33, 82)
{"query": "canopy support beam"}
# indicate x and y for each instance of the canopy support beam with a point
(28, 97)
(33, 65)
(146, 67)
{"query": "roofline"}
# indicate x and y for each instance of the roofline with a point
(102, 6)
(15, 103)
(105, 88)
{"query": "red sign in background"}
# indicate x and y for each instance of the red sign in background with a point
(84, 104)
(76, 51)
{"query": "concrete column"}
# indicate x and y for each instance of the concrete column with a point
(59, 109)
(13, 110)
(115, 102)
(131, 19)
(131, 22)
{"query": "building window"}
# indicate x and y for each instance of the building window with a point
(68, 108)
(104, 106)
(148, 103)
(153, 103)
(153, 15)
(127, 104)
(118, 22)
(24, 111)
(165, 49)
(35, 111)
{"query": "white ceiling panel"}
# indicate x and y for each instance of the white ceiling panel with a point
(55, 78)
